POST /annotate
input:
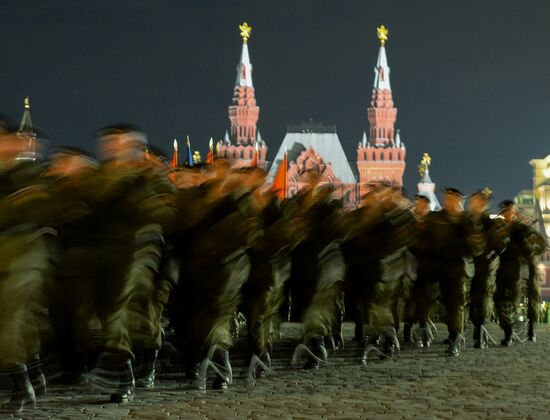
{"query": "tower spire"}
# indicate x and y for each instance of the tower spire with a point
(25, 126)
(239, 145)
(382, 158)
(26, 133)
(244, 68)
(382, 70)
(244, 112)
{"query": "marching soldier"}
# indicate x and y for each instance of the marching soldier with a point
(317, 271)
(420, 210)
(131, 215)
(524, 245)
(447, 244)
(27, 262)
(492, 238)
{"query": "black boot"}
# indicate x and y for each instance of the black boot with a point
(221, 358)
(22, 394)
(407, 333)
(317, 347)
(477, 336)
(265, 357)
(36, 376)
(391, 343)
(359, 334)
(426, 337)
(74, 371)
(127, 386)
(455, 342)
(146, 377)
(191, 371)
(531, 334)
(338, 337)
(507, 340)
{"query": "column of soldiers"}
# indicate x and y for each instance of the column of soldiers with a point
(97, 258)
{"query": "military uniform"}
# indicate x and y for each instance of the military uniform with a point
(264, 291)
(211, 243)
(446, 272)
(518, 253)
(317, 273)
(27, 264)
(493, 241)
(378, 273)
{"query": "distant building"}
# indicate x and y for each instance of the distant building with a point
(525, 203)
(243, 142)
(381, 157)
(313, 147)
(541, 193)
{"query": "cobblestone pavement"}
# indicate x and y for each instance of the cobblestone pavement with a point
(497, 382)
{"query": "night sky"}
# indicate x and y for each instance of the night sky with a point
(471, 79)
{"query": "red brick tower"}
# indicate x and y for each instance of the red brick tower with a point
(381, 158)
(240, 146)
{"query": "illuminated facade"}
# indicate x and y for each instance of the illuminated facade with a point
(541, 195)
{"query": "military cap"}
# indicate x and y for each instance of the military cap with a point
(130, 132)
(506, 204)
(453, 191)
(422, 197)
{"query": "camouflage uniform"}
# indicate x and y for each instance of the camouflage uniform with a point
(447, 247)
(27, 263)
(519, 253)
(483, 283)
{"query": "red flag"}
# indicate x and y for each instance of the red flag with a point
(279, 183)
(255, 158)
(174, 163)
(210, 155)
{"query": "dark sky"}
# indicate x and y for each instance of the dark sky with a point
(471, 79)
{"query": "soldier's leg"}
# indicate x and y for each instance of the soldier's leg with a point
(453, 295)
(19, 338)
(534, 299)
(425, 295)
(507, 296)
(476, 306)
(380, 313)
(115, 289)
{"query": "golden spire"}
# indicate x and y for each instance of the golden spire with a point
(245, 31)
(424, 164)
(382, 33)
(27, 103)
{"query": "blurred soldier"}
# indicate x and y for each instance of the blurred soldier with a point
(133, 209)
(524, 245)
(420, 210)
(318, 269)
(493, 240)
(387, 231)
(263, 293)
(447, 243)
(74, 182)
(211, 241)
(27, 261)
